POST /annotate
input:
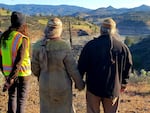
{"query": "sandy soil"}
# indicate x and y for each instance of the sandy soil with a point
(136, 99)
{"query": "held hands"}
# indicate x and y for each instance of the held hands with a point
(123, 87)
(81, 86)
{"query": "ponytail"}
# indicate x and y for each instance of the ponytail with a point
(4, 37)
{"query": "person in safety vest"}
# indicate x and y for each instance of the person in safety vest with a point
(15, 62)
(107, 62)
(54, 65)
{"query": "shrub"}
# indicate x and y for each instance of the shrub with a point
(142, 77)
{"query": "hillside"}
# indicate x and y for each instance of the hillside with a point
(56, 10)
(141, 54)
(129, 23)
(132, 21)
(62, 10)
(36, 24)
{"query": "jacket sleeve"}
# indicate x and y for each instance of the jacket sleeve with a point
(127, 65)
(19, 57)
(35, 64)
(71, 67)
(83, 62)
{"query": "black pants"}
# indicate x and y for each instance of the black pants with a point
(18, 95)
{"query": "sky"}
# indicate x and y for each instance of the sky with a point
(91, 4)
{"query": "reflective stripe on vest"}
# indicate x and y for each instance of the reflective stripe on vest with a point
(15, 45)
(9, 54)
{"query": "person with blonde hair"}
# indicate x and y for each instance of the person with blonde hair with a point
(106, 61)
(54, 65)
(15, 62)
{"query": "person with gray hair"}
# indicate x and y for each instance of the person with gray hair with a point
(106, 61)
(54, 65)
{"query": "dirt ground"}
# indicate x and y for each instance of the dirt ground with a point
(136, 99)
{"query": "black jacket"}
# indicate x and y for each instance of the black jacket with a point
(106, 62)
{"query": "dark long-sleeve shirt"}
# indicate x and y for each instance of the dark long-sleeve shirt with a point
(102, 75)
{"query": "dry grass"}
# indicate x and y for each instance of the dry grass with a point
(136, 99)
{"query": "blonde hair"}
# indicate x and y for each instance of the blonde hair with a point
(110, 25)
(54, 28)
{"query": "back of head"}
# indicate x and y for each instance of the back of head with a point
(108, 26)
(53, 28)
(17, 19)
(18, 23)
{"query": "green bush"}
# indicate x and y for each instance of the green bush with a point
(142, 77)
(129, 41)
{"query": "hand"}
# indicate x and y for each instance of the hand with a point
(123, 87)
(82, 86)
(8, 84)
(6, 78)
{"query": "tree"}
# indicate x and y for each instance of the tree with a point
(129, 41)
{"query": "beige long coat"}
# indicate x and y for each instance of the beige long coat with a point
(55, 68)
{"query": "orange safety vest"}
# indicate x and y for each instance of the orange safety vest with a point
(9, 54)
